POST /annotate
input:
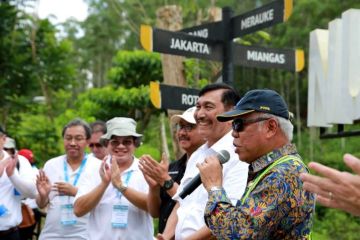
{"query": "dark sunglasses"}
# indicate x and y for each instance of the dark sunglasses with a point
(97, 145)
(239, 123)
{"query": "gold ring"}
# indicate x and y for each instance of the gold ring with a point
(330, 195)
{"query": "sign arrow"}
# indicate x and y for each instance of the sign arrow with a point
(179, 43)
(261, 57)
(213, 31)
(164, 96)
(183, 44)
(262, 17)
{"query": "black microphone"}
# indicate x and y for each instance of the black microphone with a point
(223, 157)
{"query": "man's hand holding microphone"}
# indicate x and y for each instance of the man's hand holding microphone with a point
(211, 172)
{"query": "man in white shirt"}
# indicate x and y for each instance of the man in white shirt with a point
(15, 184)
(187, 219)
(58, 183)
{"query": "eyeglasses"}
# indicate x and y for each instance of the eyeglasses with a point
(125, 142)
(96, 145)
(239, 123)
(76, 138)
(186, 128)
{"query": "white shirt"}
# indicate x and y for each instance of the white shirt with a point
(191, 210)
(31, 202)
(53, 229)
(10, 200)
(140, 225)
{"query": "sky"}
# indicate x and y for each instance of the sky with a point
(62, 9)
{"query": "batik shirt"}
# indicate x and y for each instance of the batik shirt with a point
(277, 208)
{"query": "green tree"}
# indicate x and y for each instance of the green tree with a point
(135, 68)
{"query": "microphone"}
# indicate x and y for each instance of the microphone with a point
(223, 157)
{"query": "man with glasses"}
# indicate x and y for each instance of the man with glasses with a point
(164, 179)
(275, 205)
(117, 210)
(187, 218)
(98, 128)
(58, 184)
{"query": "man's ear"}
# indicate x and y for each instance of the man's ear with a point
(272, 127)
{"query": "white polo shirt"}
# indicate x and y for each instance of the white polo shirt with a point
(10, 200)
(191, 210)
(53, 229)
(139, 225)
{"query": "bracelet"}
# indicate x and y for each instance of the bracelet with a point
(216, 188)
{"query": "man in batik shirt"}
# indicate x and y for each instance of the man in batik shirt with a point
(274, 205)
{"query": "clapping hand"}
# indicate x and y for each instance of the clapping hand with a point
(115, 174)
(156, 171)
(64, 188)
(105, 172)
(3, 165)
(11, 165)
(43, 184)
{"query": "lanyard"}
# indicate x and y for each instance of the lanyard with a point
(128, 175)
(253, 184)
(66, 175)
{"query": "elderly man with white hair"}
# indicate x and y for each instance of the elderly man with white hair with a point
(275, 205)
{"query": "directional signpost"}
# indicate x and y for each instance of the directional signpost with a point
(214, 41)
(172, 97)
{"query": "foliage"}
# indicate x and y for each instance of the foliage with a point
(197, 73)
(14, 59)
(108, 102)
(135, 68)
(34, 130)
(336, 224)
(34, 61)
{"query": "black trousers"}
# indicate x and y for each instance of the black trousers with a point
(13, 235)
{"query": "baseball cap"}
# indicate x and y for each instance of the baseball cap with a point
(28, 154)
(258, 100)
(187, 115)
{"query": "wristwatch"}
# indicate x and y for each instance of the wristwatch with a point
(215, 188)
(168, 184)
(122, 188)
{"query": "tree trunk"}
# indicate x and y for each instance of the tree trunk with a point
(170, 18)
(164, 146)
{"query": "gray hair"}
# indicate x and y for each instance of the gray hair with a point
(285, 125)
(78, 122)
(98, 126)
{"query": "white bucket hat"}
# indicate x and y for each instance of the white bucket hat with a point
(9, 143)
(120, 126)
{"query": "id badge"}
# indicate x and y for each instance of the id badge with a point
(67, 214)
(119, 218)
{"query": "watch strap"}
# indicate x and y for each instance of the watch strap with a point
(168, 184)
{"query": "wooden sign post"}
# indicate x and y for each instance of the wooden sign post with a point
(214, 41)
